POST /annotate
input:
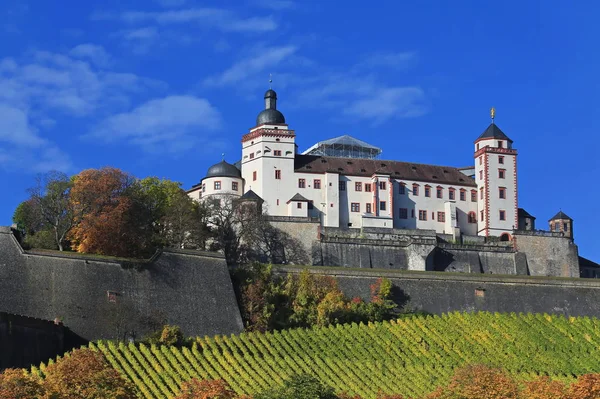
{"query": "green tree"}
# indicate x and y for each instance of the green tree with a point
(27, 217)
(302, 386)
(51, 196)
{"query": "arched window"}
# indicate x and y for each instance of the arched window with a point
(472, 217)
(505, 237)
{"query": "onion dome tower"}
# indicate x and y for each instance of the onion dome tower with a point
(270, 115)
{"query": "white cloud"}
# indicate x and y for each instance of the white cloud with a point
(388, 103)
(217, 18)
(265, 58)
(141, 34)
(94, 53)
(165, 123)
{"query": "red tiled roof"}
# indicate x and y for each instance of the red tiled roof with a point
(395, 169)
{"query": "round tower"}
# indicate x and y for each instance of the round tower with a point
(222, 179)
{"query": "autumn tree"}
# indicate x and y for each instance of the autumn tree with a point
(543, 388)
(107, 226)
(205, 389)
(587, 386)
(16, 384)
(52, 198)
(85, 374)
(478, 382)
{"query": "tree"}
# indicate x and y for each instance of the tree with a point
(16, 384)
(274, 245)
(85, 374)
(587, 386)
(51, 196)
(27, 217)
(108, 226)
(479, 382)
(207, 389)
(543, 388)
(185, 223)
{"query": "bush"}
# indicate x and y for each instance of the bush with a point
(16, 384)
(478, 382)
(167, 335)
(85, 374)
(543, 388)
(587, 386)
(207, 389)
(301, 386)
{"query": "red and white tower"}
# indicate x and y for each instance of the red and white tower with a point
(496, 177)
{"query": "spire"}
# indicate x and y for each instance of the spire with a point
(270, 99)
(493, 113)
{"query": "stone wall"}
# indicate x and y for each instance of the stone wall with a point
(103, 299)
(304, 230)
(448, 292)
(548, 254)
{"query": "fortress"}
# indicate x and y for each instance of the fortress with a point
(350, 208)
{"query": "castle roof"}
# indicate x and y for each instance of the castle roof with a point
(522, 213)
(223, 169)
(560, 216)
(298, 198)
(395, 169)
(251, 196)
(493, 132)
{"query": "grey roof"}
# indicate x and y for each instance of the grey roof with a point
(522, 213)
(270, 116)
(298, 198)
(494, 132)
(270, 93)
(251, 196)
(223, 169)
(560, 216)
(346, 141)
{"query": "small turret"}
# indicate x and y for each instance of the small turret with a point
(561, 223)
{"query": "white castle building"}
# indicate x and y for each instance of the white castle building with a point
(343, 183)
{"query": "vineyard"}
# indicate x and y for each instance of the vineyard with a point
(410, 356)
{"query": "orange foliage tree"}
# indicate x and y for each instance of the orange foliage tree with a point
(108, 225)
(543, 388)
(207, 389)
(16, 384)
(85, 374)
(587, 386)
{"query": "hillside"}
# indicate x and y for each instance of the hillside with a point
(410, 356)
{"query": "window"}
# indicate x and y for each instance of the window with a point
(299, 205)
(254, 175)
(251, 155)
(403, 213)
(427, 191)
(355, 207)
(472, 217)
(500, 159)
(301, 183)
(382, 205)
(451, 194)
(277, 153)
(565, 226)
(502, 214)
(358, 186)
(473, 195)
(317, 184)
(422, 215)
(481, 215)
(217, 185)
(501, 173)
(481, 193)
(382, 185)
(342, 186)
(441, 216)
(204, 187)
(415, 189)
(278, 174)
(439, 192)
(368, 187)
(463, 195)
(234, 185)
(480, 160)
(500, 144)
(477, 146)
(502, 192)
(481, 175)
(368, 207)
(402, 188)
(412, 213)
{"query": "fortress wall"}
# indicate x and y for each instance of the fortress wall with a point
(100, 299)
(447, 292)
(305, 231)
(549, 255)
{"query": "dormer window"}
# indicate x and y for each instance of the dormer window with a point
(500, 144)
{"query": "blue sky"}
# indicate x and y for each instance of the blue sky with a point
(164, 87)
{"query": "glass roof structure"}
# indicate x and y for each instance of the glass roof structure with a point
(344, 147)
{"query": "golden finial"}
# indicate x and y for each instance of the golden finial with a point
(493, 113)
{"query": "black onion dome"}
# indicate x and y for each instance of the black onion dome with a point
(270, 116)
(270, 94)
(223, 169)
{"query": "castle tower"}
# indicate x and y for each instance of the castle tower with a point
(496, 178)
(268, 152)
(562, 223)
